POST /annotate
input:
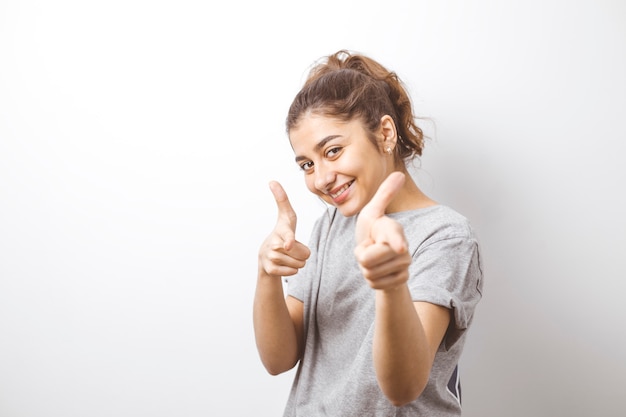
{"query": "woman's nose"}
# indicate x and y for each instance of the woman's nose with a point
(324, 177)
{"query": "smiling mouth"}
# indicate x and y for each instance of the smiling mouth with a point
(341, 190)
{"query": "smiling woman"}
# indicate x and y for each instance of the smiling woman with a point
(344, 148)
(379, 303)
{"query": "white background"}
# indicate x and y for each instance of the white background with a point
(137, 139)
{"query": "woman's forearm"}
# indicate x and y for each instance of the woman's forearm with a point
(402, 356)
(275, 332)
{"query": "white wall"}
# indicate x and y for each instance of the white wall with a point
(137, 139)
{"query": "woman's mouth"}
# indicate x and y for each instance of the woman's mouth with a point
(338, 193)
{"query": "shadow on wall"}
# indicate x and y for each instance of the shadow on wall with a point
(534, 343)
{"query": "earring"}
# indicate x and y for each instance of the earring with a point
(388, 150)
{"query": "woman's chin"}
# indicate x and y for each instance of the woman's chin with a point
(348, 210)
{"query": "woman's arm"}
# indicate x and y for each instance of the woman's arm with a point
(278, 325)
(278, 322)
(407, 334)
(406, 338)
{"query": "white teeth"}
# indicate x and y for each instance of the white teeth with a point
(344, 188)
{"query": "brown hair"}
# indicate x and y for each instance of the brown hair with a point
(346, 86)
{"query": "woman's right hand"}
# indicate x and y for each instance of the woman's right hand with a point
(281, 254)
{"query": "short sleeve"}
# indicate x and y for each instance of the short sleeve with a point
(447, 272)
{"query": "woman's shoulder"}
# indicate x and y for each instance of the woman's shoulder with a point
(438, 221)
(433, 212)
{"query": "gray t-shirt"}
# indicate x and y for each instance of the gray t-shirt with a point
(335, 376)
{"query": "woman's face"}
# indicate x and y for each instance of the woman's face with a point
(340, 163)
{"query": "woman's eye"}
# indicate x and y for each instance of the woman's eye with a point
(306, 166)
(333, 151)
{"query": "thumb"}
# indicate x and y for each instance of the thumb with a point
(377, 206)
(386, 192)
(287, 218)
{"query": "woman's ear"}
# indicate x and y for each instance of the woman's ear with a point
(389, 134)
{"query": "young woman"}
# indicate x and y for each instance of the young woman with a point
(378, 304)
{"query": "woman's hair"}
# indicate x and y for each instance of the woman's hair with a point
(348, 86)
